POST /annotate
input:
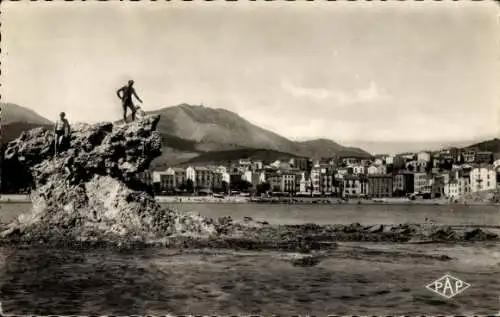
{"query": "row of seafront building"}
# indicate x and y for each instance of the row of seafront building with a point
(449, 173)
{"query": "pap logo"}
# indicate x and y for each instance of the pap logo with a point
(448, 286)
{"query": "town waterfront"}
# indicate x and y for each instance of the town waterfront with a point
(359, 278)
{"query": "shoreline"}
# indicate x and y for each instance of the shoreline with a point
(25, 199)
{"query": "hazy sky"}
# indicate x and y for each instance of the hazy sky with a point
(354, 72)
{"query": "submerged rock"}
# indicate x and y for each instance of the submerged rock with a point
(91, 191)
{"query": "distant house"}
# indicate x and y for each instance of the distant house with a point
(380, 185)
(321, 179)
(300, 163)
(358, 169)
(201, 176)
(417, 166)
(349, 161)
(421, 183)
(424, 156)
(451, 189)
(389, 159)
(252, 177)
(437, 186)
(469, 156)
(274, 180)
(304, 183)
(288, 184)
(377, 170)
(460, 177)
(164, 180)
(371, 170)
(483, 157)
(378, 161)
(483, 177)
(403, 184)
(146, 177)
(354, 186)
(179, 176)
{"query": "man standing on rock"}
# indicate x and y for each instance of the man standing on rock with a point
(125, 94)
(61, 130)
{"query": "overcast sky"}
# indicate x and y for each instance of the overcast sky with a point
(354, 72)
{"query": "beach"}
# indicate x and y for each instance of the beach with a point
(282, 200)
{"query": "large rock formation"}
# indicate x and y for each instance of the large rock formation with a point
(91, 191)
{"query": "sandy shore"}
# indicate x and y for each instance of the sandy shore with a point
(293, 201)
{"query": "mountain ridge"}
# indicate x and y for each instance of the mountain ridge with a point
(217, 129)
(191, 131)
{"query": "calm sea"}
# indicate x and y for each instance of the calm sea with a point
(359, 278)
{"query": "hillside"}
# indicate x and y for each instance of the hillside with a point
(222, 130)
(218, 157)
(190, 131)
(15, 113)
(16, 119)
(13, 130)
(490, 145)
(322, 148)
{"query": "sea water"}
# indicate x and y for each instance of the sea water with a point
(357, 279)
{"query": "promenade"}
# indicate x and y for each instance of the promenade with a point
(283, 200)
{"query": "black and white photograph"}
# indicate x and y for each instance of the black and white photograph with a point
(235, 158)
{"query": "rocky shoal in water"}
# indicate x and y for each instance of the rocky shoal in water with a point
(253, 235)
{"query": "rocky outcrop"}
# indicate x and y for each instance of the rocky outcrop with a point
(91, 191)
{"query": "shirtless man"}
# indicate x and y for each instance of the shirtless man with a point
(61, 130)
(125, 94)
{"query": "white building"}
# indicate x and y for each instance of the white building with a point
(156, 176)
(304, 184)
(275, 164)
(417, 166)
(377, 170)
(457, 188)
(354, 187)
(389, 159)
(451, 189)
(408, 156)
(371, 170)
(258, 165)
(421, 182)
(226, 177)
(358, 169)
(469, 156)
(483, 178)
(463, 186)
(315, 180)
(251, 177)
(221, 169)
(424, 156)
(201, 176)
(496, 163)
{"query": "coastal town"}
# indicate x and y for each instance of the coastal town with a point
(447, 174)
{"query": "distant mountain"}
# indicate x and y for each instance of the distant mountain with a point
(196, 131)
(218, 157)
(490, 145)
(214, 130)
(17, 119)
(324, 148)
(15, 113)
(13, 130)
